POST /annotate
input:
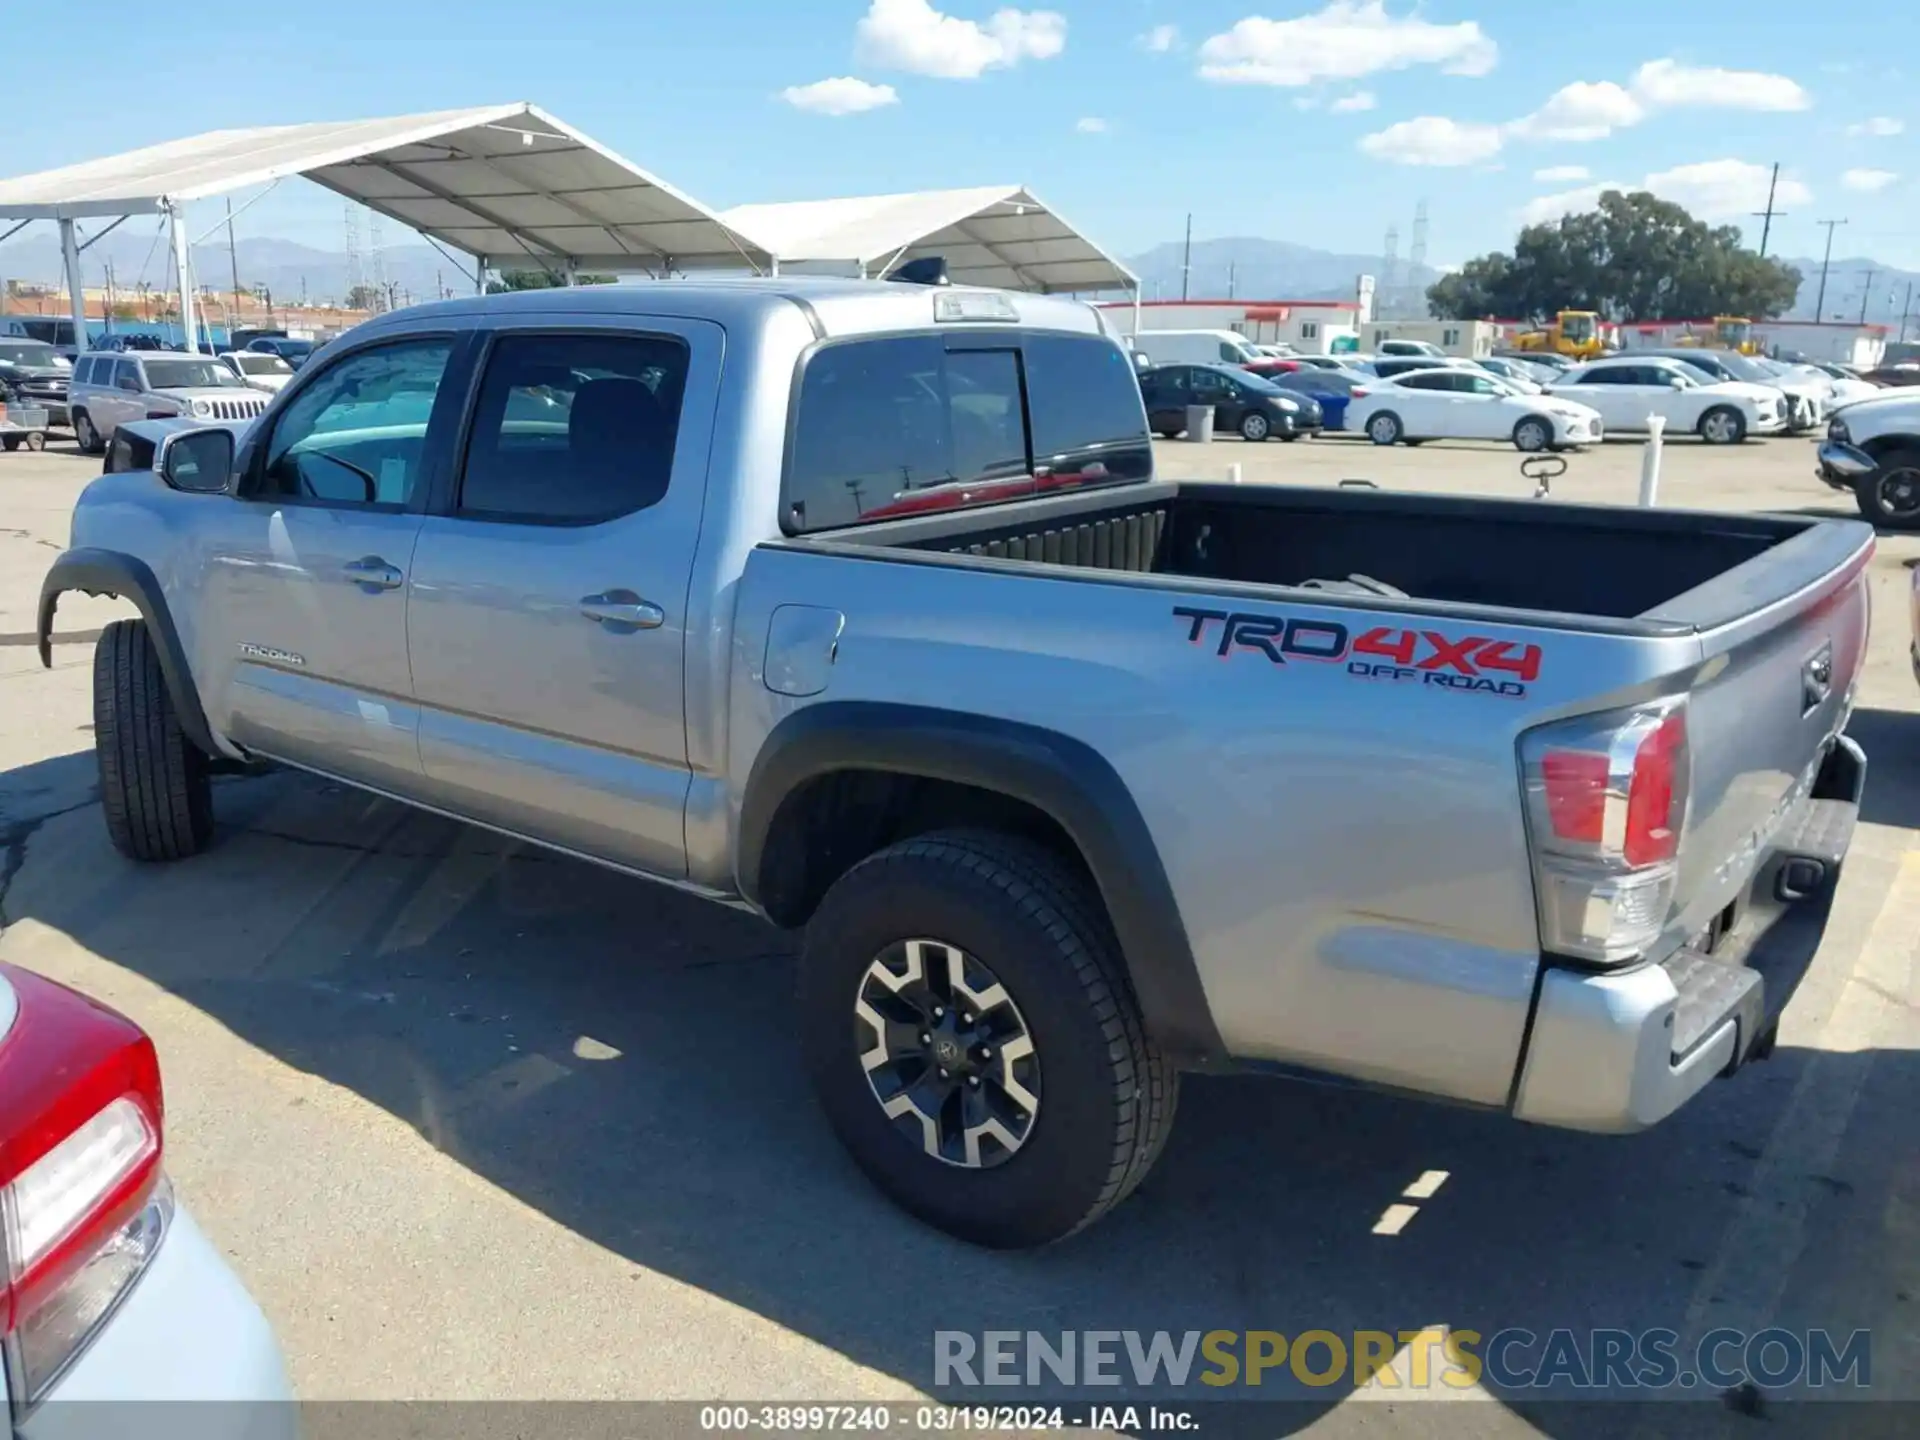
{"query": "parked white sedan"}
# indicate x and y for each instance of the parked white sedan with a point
(1626, 391)
(1464, 403)
(260, 370)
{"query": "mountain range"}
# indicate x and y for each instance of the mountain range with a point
(1246, 267)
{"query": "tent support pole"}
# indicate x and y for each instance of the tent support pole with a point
(1136, 314)
(76, 297)
(479, 274)
(183, 268)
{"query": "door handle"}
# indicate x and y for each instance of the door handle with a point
(371, 573)
(622, 611)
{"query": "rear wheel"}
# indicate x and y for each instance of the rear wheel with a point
(1385, 429)
(1533, 434)
(155, 786)
(37, 440)
(969, 1029)
(1890, 496)
(85, 435)
(1723, 425)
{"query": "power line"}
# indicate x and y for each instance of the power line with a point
(1820, 304)
(1766, 216)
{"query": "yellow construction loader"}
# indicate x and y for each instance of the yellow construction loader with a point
(1730, 332)
(1573, 333)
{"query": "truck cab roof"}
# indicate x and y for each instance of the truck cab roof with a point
(834, 306)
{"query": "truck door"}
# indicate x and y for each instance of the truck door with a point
(549, 594)
(303, 633)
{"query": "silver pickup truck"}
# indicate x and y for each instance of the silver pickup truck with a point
(859, 604)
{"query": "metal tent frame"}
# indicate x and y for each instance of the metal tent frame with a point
(495, 182)
(998, 235)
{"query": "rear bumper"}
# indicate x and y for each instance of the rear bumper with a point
(1620, 1051)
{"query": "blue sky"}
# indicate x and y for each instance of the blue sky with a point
(1309, 121)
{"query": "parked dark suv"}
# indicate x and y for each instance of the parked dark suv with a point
(1241, 401)
(37, 373)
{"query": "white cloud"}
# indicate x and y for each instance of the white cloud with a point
(911, 35)
(841, 95)
(1881, 126)
(1724, 189)
(1868, 181)
(1667, 84)
(1090, 125)
(1711, 189)
(1354, 103)
(1562, 174)
(1584, 110)
(1345, 41)
(1160, 39)
(1306, 102)
(1567, 202)
(1433, 140)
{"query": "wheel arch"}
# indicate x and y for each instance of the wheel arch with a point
(1053, 779)
(112, 572)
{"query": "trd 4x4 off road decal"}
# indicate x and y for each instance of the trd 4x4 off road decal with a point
(1476, 663)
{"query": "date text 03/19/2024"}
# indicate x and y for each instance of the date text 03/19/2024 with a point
(935, 1419)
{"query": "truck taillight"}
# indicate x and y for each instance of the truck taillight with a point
(83, 1205)
(1606, 802)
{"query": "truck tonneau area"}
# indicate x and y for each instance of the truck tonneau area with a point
(1591, 562)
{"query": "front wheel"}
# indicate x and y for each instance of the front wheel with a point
(86, 436)
(969, 1029)
(1385, 428)
(1890, 495)
(1532, 435)
(1255, 426)
(155, 785)
(1723, 425)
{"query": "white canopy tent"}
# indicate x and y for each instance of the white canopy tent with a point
(500, 183)
(999, 235)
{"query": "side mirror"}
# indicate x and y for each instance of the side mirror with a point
(198, 461)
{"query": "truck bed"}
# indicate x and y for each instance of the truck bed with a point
(1597, 562)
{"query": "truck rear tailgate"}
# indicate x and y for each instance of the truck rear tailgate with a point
(1783, 640)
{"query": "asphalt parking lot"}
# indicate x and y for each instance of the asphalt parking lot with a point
(476, 1122)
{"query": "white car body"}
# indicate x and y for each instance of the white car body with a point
(182, 1328)
(1462, 402)
(1628, 389)
(260, 370)
(1840, 390)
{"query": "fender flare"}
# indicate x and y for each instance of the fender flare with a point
(1063, 778)
(111, 572)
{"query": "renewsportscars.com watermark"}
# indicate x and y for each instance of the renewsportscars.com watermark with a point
(1510, 1359)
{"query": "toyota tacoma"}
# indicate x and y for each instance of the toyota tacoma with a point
(859, 604)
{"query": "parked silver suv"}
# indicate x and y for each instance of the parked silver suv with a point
(109, 390)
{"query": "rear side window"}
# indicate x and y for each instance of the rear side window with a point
(906, 425)
(573, 429)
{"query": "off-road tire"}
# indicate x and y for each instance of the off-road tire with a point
(1879, 494)
(1108, 1094)
(156, 789)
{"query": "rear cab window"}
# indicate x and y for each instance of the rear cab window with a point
(902, 425)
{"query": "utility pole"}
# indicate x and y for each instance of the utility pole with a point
(233, 262)
(1866, 289)
(1230, 278)
(1186, 258)
(1820, 304)
(1765, 217)
(1906, 310)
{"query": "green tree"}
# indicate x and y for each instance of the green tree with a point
(1634, 257)
(539, 280)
